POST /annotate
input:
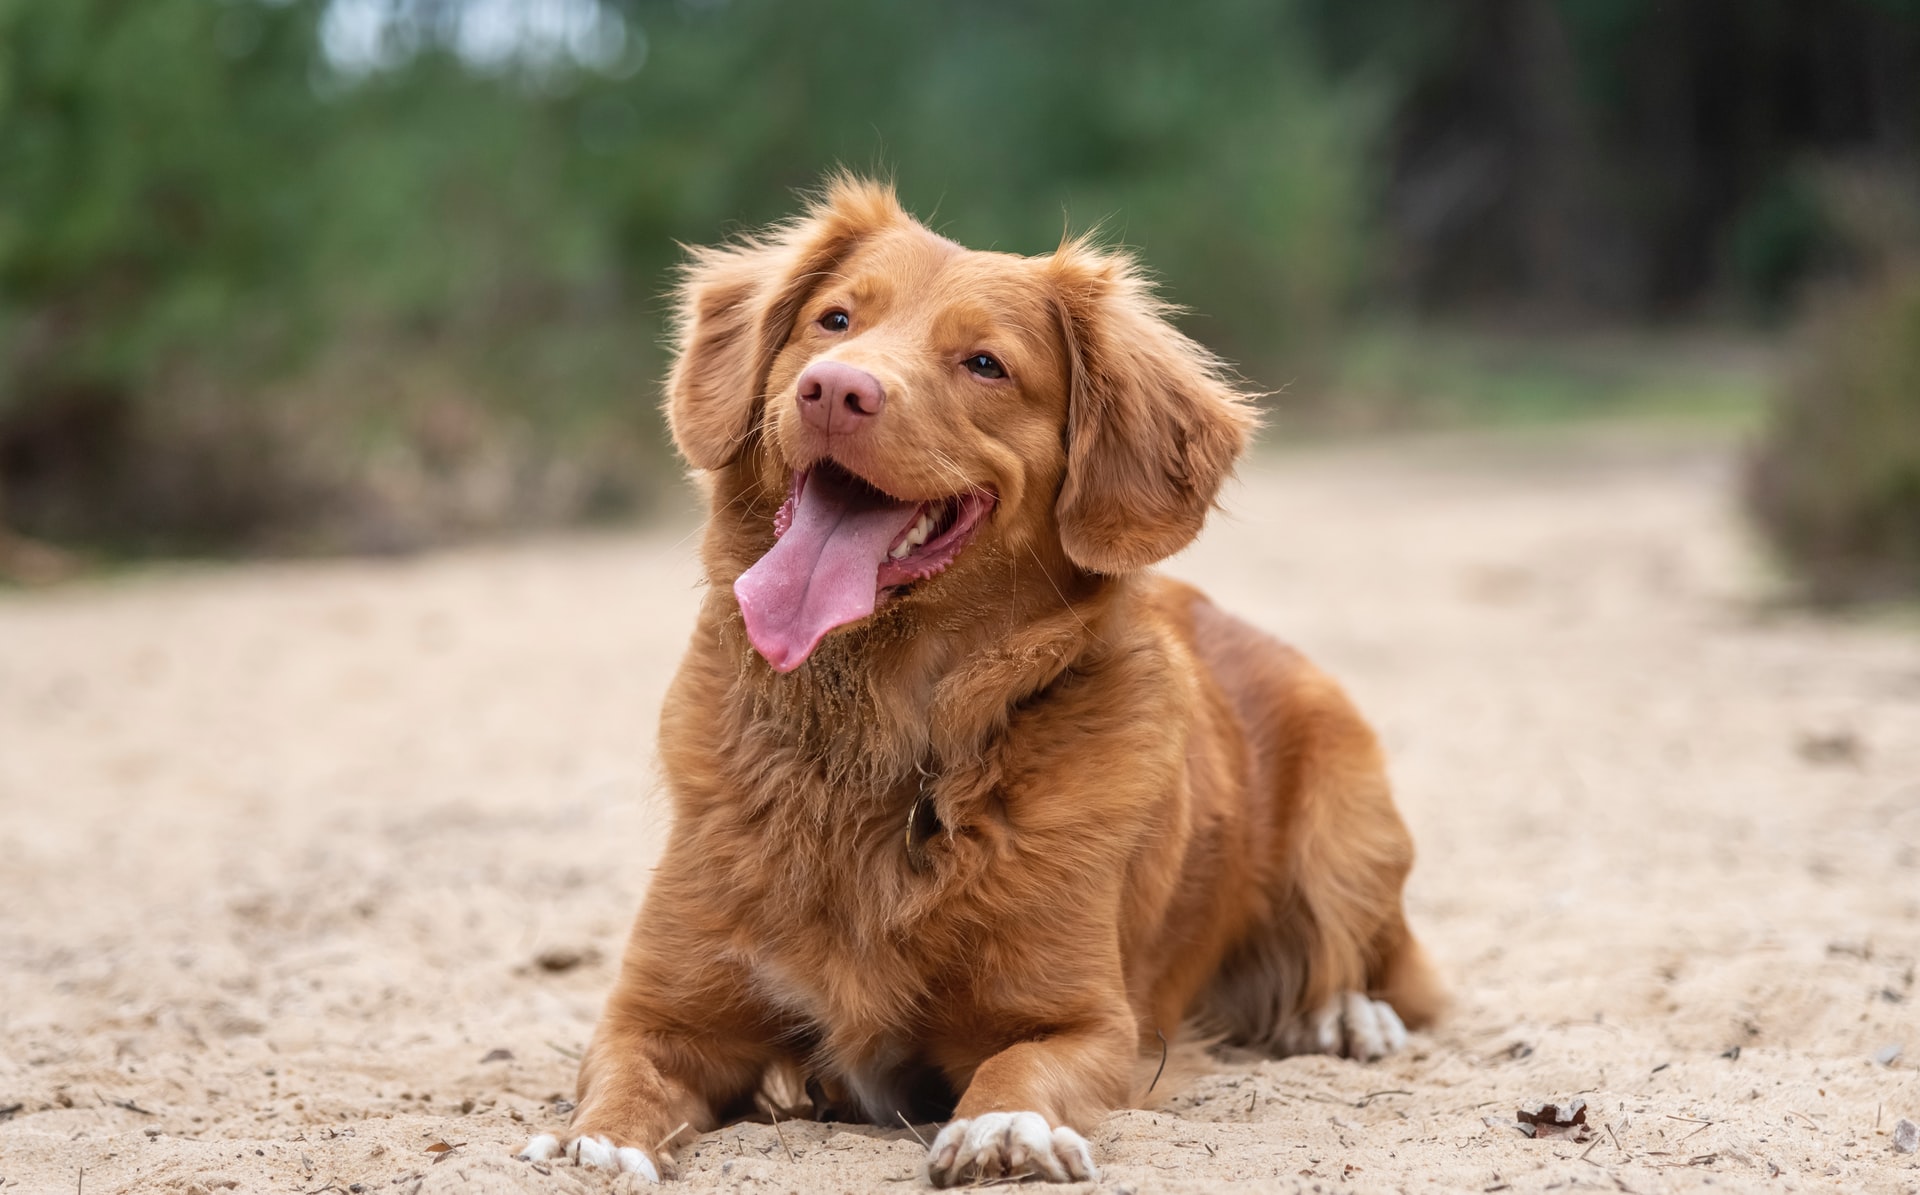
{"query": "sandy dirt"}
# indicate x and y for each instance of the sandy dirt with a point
(305, 869)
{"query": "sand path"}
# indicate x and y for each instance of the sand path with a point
(306, 868)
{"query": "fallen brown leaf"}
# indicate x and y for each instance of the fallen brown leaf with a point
(1566, 1121)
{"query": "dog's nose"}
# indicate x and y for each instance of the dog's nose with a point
(836, 397)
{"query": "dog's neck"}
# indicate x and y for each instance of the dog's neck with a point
(878, 703)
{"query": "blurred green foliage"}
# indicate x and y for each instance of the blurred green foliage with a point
(1405, 377)
(231, 261)
(367, 273)
(1836, 482)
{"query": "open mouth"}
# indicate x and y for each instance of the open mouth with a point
(840, 546)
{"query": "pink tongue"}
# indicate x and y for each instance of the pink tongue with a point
(824, 572)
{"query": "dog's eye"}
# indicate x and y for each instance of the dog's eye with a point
(985, 365)
(836, 321)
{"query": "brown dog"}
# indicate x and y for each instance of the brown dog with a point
(970, 807)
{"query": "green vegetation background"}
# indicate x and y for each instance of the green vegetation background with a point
(255, 297)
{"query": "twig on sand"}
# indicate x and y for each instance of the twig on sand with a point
(129, 1105)
(1616, 1140)
(1163, 1061)
(662, 1143)
(911, 1129)
(779, 1134)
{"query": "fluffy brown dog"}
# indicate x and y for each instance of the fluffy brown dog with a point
(970, 807)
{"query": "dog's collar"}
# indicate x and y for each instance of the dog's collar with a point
(923, 822)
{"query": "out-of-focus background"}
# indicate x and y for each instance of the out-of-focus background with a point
(370, 275)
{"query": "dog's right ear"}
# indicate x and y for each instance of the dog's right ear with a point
(737, 306)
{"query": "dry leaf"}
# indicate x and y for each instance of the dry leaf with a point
(1567, 1121)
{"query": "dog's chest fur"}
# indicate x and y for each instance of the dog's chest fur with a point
(864, 955)
(794, 797)
(817, 885)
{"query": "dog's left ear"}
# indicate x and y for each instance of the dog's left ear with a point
(1153, 422)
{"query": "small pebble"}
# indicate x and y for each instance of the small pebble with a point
(1906, 1137)
(565, 958)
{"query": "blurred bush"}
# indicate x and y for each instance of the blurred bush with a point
(248, 300)
(1836, 483)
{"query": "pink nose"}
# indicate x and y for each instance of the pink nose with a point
(839, 398)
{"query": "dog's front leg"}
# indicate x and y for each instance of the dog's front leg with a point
(1022, 1106)
(651, 1077)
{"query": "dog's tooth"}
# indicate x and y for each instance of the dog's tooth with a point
(915, 536)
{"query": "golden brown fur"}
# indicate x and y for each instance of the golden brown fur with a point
(1151, 815)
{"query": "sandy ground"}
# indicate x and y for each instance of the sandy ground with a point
(307, 869)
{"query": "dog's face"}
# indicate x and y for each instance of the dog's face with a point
(927, 413)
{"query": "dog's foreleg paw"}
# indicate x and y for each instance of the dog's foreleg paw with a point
(1008, 1145)
(597, 1153)
(1351, 1025)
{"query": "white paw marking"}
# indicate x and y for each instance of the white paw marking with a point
(1374, 1030)
(1350, 1025)
(597, 1153)
(540, 1149)
(1008, 1145)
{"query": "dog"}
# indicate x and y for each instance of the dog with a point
(973, 810)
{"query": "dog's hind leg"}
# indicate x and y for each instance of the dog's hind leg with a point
(1331, 967)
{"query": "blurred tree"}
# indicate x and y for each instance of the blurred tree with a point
(1622, 157)
(364, 272)
(151, 210)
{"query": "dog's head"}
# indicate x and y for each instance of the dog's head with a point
(917, 406)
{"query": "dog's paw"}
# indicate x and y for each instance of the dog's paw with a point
(1008, 1145)
(1350, 1025)
(598, 1153)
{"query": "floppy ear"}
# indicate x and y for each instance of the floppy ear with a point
(736, 308)
(1153, 423)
